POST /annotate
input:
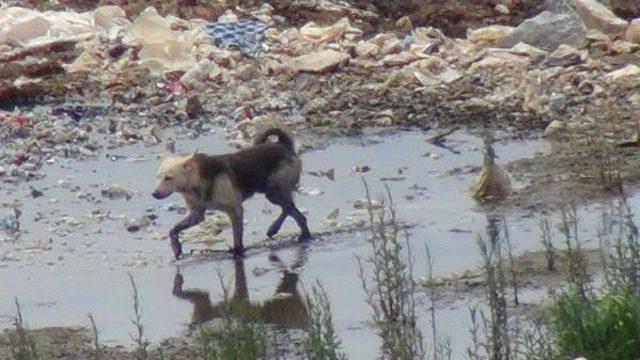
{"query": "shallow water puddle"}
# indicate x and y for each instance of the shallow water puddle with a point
(79, 252)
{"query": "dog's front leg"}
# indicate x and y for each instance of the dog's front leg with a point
(194, 218)
(236, 216)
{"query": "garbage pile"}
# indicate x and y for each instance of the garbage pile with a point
(248, 69)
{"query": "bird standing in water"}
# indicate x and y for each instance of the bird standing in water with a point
(492, 183)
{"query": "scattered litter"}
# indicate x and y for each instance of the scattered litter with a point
(329, 174)
(310, 191)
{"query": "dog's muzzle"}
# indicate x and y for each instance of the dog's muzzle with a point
(161, 194)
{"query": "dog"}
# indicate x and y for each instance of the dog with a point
(223, 182)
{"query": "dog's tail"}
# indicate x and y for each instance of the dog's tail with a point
(284, 139)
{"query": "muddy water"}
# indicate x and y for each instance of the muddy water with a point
(74, 254)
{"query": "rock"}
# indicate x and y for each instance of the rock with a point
(633, 31)
(489, 35)
(317, 62)
(627, 71)
(554, 127)
(116, 191)
(35, 193)
(404, 24)
(133, 225)
(597, 16)
(557, 102)
(549, 30)
(565, 55)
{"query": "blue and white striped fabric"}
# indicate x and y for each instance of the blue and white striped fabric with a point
(245, 35)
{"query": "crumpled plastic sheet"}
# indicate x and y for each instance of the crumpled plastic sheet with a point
(25, 27)
(245, 35)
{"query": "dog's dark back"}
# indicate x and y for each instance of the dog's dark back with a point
(250, 168)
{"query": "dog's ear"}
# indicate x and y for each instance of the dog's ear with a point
(191, 160)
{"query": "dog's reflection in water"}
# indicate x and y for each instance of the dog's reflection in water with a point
(284, 309)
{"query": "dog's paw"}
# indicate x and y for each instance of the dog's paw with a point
(304, 237)
(237, 252)
(176, 247)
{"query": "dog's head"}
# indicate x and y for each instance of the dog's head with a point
(175, 174)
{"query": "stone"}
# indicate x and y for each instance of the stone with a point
(549, 30)
(554, 127)
(597, 16)
(489, 35)
(404, 24)
(134, 225)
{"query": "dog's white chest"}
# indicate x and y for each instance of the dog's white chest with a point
(223, 194)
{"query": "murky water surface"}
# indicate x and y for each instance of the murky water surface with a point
(74, 255)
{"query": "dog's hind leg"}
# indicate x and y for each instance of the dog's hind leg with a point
(277, 224)
(301, 220)
(288, 209)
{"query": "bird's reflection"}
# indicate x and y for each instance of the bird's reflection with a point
(285, 308)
